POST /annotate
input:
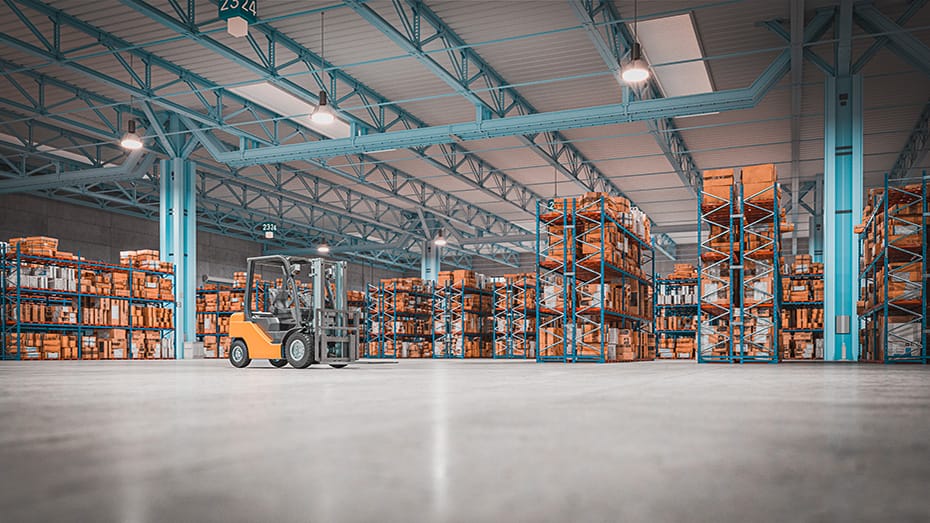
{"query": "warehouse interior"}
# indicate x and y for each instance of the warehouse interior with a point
(437, 259)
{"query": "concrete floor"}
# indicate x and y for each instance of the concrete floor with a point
(463, 441)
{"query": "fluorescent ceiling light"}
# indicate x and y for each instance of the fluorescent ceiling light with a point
(295, 109)
(382, 151)
(674, 39)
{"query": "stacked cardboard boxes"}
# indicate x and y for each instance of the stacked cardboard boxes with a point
(741, 229)
(66, 307)
(462, 315)
(514, 315)
(400, 319)
(594, 281)
(892, 302)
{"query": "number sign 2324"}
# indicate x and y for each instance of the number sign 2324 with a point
(247, 9)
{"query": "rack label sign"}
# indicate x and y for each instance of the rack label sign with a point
(269, 229)
(245, 9)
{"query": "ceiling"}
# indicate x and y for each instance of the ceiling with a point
(538, 48)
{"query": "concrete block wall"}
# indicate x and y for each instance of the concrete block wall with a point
(101, 235)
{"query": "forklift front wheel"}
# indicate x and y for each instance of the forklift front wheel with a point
(299, 350)
(239, 354)
(278, 363)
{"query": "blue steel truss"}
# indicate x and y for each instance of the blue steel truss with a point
(893, 247)
(281, 57)
(224, 113)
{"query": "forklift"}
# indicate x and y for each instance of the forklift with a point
(303, 324)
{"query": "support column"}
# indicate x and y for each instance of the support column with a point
(178, 242)
(429, 265)
(842, 198)
(815, 241)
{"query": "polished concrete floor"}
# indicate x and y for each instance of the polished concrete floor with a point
(463, 441)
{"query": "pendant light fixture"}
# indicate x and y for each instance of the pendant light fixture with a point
(635, 71)
(323, 114)
(323, 248)
(131, 140)
(440, 240)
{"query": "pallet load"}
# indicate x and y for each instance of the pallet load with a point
(596, 301)
(741, 225)
(892, 302)
(399, 319)
(59, 306)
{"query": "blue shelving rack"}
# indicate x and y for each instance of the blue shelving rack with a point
(790, 307)
(216, 332)
(739, 276)
(383, 301)
(14, 294)
(667, 287)
(515, 318)
(451, 319)
(581, 229)
(894, 274)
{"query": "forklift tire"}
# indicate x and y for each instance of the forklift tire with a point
(299, 350)
(338, 365)
(239, 354)
(277, 363)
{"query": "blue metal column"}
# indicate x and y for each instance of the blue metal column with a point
(842, 198)
(815, 241)
(178, 242)
(429, 266)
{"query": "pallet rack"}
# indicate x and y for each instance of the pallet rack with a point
(596, 301)
(461, 311)
(213, 321)
(893, 281)
(515, 317)
(56, 312)
(802, 311)
(400, 313)
(739, 273)
(676, 311)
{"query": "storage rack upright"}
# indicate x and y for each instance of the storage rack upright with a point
(515, 317)
(14, 295)
(591, 281)
(894, 275)
(669, 287)
(460, 313)
(739, 276)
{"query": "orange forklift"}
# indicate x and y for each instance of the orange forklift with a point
(306, 323)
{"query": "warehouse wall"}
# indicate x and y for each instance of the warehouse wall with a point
(101, 235)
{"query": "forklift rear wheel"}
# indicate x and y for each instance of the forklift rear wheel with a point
(338, 365)
(299, 351)
(239, 354)
(278, 363)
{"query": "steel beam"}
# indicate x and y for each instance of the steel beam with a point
(916, 146)
(903, 43)
(600, 13)
(720, 101)
(136, 165)
(228, 108)
(843, 158)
